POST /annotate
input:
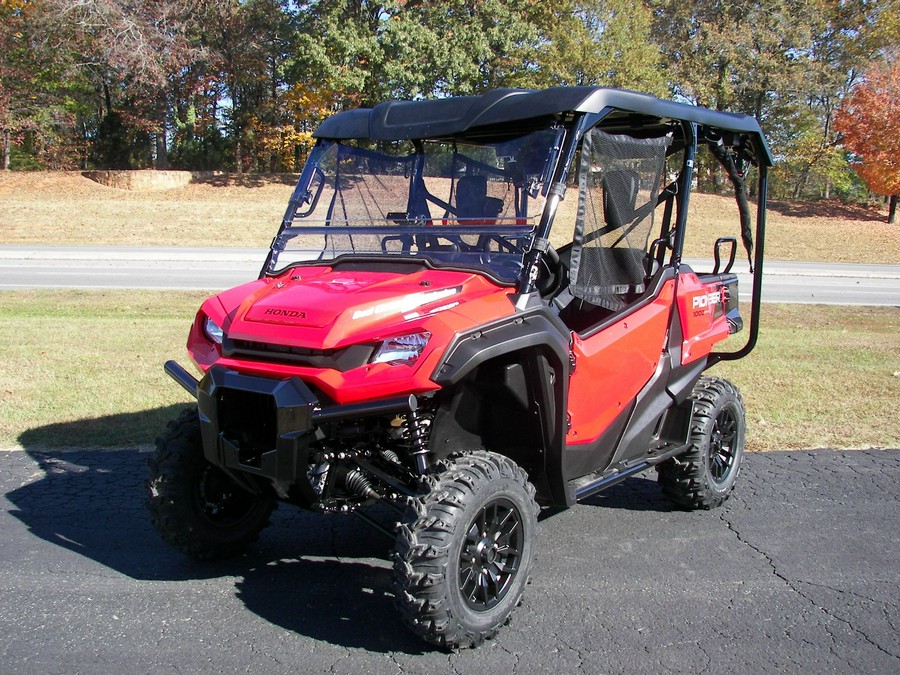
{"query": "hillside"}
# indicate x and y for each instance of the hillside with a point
(65, 208)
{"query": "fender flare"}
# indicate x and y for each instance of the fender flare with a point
(537, 332)
(530, 329)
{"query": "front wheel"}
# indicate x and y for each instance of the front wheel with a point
(704, 476)
(464, 551)
(195, 506)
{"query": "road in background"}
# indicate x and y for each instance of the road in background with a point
(216, 269)
(119, 267)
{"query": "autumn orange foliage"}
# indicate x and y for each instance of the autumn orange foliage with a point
(869, 121)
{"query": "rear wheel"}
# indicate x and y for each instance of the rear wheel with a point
(464, 552)
(704, 476)
(195, 506)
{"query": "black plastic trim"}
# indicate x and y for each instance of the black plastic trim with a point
(534, 328)
(296, 412)
(537, 327)
(342, 360)
(293, 406)
(398, 120)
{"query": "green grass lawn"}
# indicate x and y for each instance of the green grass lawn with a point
(822, 377)
(85, 369)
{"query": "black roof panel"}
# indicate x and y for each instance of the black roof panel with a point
(402, 120)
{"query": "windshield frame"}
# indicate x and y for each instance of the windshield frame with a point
(433, 231)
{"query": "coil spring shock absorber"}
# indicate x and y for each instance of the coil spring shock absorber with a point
(418, 431)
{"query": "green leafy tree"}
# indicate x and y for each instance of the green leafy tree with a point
(844, 38)
(132, 51)
(339, 49)
(476, 45)
(599, 42)
(41, 91)
(788, 62)
(733, 55)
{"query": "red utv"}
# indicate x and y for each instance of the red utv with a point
(473, 306)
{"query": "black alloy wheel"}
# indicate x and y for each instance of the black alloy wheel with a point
(491, 555)
(703, 476)
(464, 549)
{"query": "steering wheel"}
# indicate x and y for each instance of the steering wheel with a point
(504, 243)
(550, 273)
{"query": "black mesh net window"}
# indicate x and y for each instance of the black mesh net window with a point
(619, 183)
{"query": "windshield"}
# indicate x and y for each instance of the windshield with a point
(452, 203)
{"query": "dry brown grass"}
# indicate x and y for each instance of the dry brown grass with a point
(801, 231)
(229, 210)
(66, 208)
(825, 230)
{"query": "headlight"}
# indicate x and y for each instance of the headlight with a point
(401, 350)
(213, 331)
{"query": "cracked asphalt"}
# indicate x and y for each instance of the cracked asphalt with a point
(799, 572)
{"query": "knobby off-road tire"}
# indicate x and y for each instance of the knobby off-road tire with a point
(195, 506)
(704, 476)
(465, 548)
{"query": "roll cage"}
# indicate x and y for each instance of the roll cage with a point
(508, 240)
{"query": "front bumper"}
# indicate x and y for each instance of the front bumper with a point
(263, 426)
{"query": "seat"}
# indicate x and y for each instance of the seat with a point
(607, 272)
(472, 202)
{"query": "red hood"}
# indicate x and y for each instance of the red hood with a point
(328, 308)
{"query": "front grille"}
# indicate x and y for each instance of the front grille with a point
(342, 360)
(249, 421)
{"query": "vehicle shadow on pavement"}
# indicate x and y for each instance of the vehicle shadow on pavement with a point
(339, 602)
(325, 577)
(638, 493)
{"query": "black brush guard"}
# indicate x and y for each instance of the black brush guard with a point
(263, 426)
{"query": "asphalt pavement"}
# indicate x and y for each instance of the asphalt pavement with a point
(798, 573)
(216, 269)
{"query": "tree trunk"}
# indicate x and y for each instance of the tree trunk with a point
(162, 148)
(802, 181)
(162, 151)
(107, 96)
(892, 210)
(7, 143)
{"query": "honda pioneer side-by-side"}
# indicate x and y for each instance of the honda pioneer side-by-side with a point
(473, 306)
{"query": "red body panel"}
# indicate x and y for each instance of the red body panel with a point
(701, 308)
(323, 309)
(612, 366)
